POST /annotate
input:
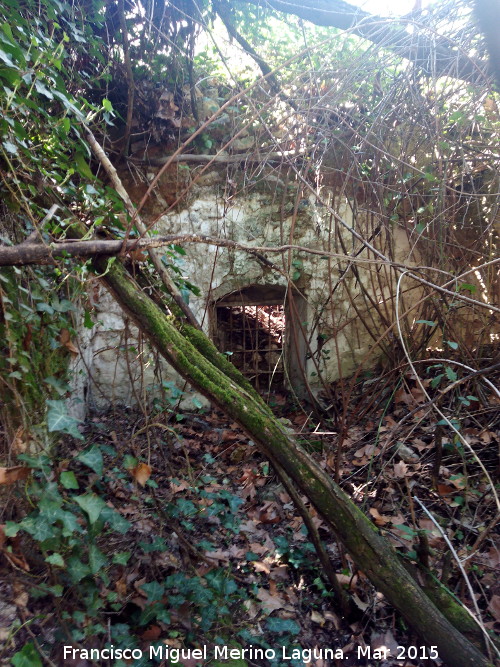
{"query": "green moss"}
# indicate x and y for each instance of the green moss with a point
(206, 347)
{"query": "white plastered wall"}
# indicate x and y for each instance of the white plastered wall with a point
(115, 367)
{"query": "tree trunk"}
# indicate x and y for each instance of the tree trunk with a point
(192, 355)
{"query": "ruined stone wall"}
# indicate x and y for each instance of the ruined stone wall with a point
(116, 366)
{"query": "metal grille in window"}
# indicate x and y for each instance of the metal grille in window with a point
(254, 336)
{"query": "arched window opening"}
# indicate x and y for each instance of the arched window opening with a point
(252, 326)
(253, 336)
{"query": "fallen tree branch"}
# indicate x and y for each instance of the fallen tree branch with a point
(39, 253)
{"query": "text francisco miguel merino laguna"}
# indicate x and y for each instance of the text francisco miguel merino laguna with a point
(174, 655)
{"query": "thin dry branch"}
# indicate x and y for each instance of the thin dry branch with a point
(38, 253)
(214, 159)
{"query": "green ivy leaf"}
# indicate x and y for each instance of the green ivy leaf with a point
(115, 520)
(27, 657)
(97, 560)
(467, 286)
(281, 625)
(10, 75)
(91, 504)
(82, 167)
(45, 308)
(11, 529)
(435, 381)
(65, 306)
(129, 461)
(446, 422)
(6, 59)
(122, 557)
(450, 373)
(43, 90)
(10, 147)
(68, 480)
(69, 522)
(452, 344)
(38, 527)
(59, 386)
(154, 591)
(59, 420)
(77, 569)
(56, 559)
(93, 459)
(87, 320)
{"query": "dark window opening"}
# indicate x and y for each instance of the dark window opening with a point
(254, 336)
(263, 328)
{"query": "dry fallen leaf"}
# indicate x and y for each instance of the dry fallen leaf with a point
(251, 607)
(493, 557)
(121, 586)
(494, 607)
(137, 255)
(65, 340)
(317, 618)
(13, 555)
(401, 396)
(380, 520)
(177, 487)
(141, 473)
(400, 469)
(279, 573)
(347, 579)
(367, 450)
(333, 618)
(384, 641)
(151, 634)
(487, 436)
(183, 615)
(445, 490)
(21, 597)
(260, 566)
(359, 603)
(270, 602)
(20, 441)
(218, 555)
(11, 475)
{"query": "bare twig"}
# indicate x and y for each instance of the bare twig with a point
(476, 617)
(463, 440)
